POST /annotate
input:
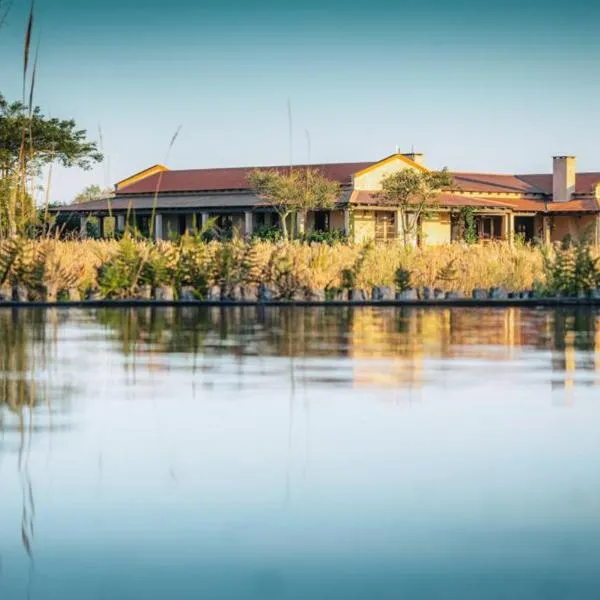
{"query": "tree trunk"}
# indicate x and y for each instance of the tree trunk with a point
(283, 222)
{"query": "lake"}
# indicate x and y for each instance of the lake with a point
(280, 452)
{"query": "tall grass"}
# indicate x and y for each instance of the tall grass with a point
(119, 268)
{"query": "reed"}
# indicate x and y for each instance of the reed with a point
(117, 269)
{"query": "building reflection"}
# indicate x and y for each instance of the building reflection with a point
(387, 346)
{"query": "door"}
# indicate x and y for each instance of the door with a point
(385, 226)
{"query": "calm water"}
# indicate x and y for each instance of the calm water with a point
(369, 453)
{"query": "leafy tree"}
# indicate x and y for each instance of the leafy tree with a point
(91, 193)
(413, 193)
(28, 142)
(294, 192)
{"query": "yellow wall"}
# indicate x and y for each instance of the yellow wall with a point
(574, 226)
(436, 230)
(364, 225)
(370, 179)
(141, 175)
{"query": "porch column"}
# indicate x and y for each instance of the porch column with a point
(101, 227)
(204, 216)
(120, 223)
(158, 226)
(83, 219)
(399, 226)
(248, 223)
(347, 222)
(546, 230)
(301, 220)
(509, 228)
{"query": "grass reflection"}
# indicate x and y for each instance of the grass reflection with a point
(389, 346)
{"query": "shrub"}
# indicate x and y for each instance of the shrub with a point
(571, 270)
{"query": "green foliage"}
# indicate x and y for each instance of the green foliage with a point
(571, 270)
(468, 225)
(413, 193)
(268, 233)
(335, 236)
(160, 265)
(120, 276)
(191, 269)
(29, 140)
(349, 276)
(91, 193)
(402, 279)
(293, 191)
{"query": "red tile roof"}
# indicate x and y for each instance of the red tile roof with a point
(450, 200)
(447, 199)
(487, 182)
(205, 180)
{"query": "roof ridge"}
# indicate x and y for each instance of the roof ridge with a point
(280, 166)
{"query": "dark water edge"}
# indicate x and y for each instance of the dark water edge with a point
(288, 452)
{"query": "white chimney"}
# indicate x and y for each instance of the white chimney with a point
(563, 178)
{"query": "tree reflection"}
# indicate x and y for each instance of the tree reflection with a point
(405, 338)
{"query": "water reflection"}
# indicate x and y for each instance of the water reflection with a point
(393, 347)
(252, 432)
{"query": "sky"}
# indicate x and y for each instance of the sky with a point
(475, 85)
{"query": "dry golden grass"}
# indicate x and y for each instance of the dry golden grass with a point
(318, 266)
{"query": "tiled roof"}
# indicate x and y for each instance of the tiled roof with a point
(585, 183)
(447, 199)
(204, 180)
(450, 200)
(487, 182)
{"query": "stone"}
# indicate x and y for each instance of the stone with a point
(250, 293)
(595, 294)
(525, 295)
(383, 293)
(315, 295)
(187, 293)
(213, 293)
(410, 295)
(6, 294)
(94, 296)
(454, 295)
(480, 294)
(357, 295)
(236, 293)
(74, 295)
(337, 295)
(265, 293)
(164, 293)
(299, 296)
(426, 293)
(20, 293)
(439, 294)
(144, 292)
(498, 293)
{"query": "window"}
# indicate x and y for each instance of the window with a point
(385, 226)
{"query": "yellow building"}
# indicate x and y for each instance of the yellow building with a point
(544, 206)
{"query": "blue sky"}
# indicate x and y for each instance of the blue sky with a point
(487, 85)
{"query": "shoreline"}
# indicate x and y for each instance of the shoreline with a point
(456, 303)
